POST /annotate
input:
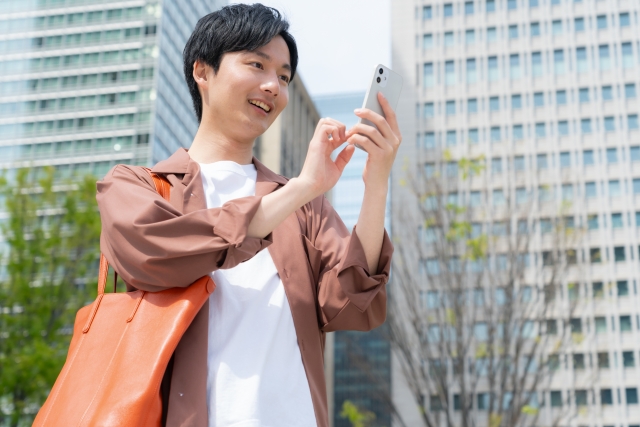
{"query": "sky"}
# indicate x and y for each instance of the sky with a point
(339, 41)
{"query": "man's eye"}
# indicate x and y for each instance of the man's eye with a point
(285, 78)
(257, 64)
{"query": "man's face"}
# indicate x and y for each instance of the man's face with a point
(249, 91)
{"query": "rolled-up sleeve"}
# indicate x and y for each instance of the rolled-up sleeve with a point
(153, 246)
(349, 297)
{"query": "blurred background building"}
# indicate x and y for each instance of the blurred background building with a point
(547, 91)
(88, 84)
(361, 360)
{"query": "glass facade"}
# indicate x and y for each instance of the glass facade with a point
(86, 84)
(362, 361)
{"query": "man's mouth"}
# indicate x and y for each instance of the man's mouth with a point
(260, 104)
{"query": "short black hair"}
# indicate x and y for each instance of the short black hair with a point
(233, 28)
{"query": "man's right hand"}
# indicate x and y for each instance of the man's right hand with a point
(319, 172)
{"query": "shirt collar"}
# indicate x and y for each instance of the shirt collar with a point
(180, 163)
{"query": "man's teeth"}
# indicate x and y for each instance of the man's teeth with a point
(262, 105)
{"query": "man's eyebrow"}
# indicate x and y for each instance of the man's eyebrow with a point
(268, 58)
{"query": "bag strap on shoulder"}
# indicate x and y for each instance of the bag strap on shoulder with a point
(164, 189)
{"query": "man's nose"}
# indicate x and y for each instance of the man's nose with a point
(272, 86)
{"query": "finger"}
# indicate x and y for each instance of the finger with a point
(363, 142)
(371, 133)
(331, 135)
(376, 119)
(341, 128)
(344, 157)
(389, 114)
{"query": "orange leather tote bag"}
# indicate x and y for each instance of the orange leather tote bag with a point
(100, 383)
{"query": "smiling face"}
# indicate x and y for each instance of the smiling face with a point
(248, 92)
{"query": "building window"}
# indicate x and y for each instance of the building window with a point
(492, 34)
(590, 193)
(534, 29)
(534, 3)
(513, 31)
(483, 401)
(495, 134)
(429, 140)
(609, 124)
(556, 27)
(496, 167)
(427, 13)
(450, 73)
(603, 360)
(631, 395)
(632, 121)
(536, 63)
(628, 361)
(595, 255)
(627, 55)
(429, 77)
(558, 61)
(556, 399)
(567, 191)
(519, 164)
(468, 8)
(583, 95)
(635, 153)
(606, 396)
(563, 128)
(516, 102)
(448, 38)
(623, 291)
(614, 188)
(473, 136)
(581, 396)
(472, 105)
(616, 222)
(514, 65)
(561, 97)
(625, 21)
(450, 108)
(518, 132)
(512, 4)
(565, 160)
(427, 41)
(429, 110)
(540, 130)
(605, 57)
(541, 161)
(625, 323)
(538, 99)
(470, 36)
(630, 90)
(601, 322)
(578, 24)
(472, 74)
(612, 155)
(581, 59)
(607, 93)
(636, 186)
(451, 137)
(448, 10)
(601, 22)
(494, 103)
(585, 125)
(494, 73)
(490, 6)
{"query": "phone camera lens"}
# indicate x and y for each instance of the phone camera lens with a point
(380, 70)
(378, 79)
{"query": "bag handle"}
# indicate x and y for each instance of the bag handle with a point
(164, 189)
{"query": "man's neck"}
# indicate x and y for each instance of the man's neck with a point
(210, 145)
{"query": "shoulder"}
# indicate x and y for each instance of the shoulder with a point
(122, 176)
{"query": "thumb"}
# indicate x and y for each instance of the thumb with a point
(344, 157)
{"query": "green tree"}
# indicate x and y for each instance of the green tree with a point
(356, 416)
(49, 244)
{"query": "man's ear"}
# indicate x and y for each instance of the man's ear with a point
(200, 74)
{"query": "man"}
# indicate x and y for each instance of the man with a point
(253, 356)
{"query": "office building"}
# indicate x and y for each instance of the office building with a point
(547, 91)
(85, 85)
(361, 360)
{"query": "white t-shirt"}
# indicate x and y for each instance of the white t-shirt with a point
(255, 375)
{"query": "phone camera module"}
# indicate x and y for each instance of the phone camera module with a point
(378, 79)
(380, 70)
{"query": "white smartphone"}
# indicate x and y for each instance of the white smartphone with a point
(389, 83)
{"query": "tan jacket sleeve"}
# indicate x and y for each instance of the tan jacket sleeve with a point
(349, 297)
(153, 246)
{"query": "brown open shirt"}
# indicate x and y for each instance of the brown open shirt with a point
(154, 245)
